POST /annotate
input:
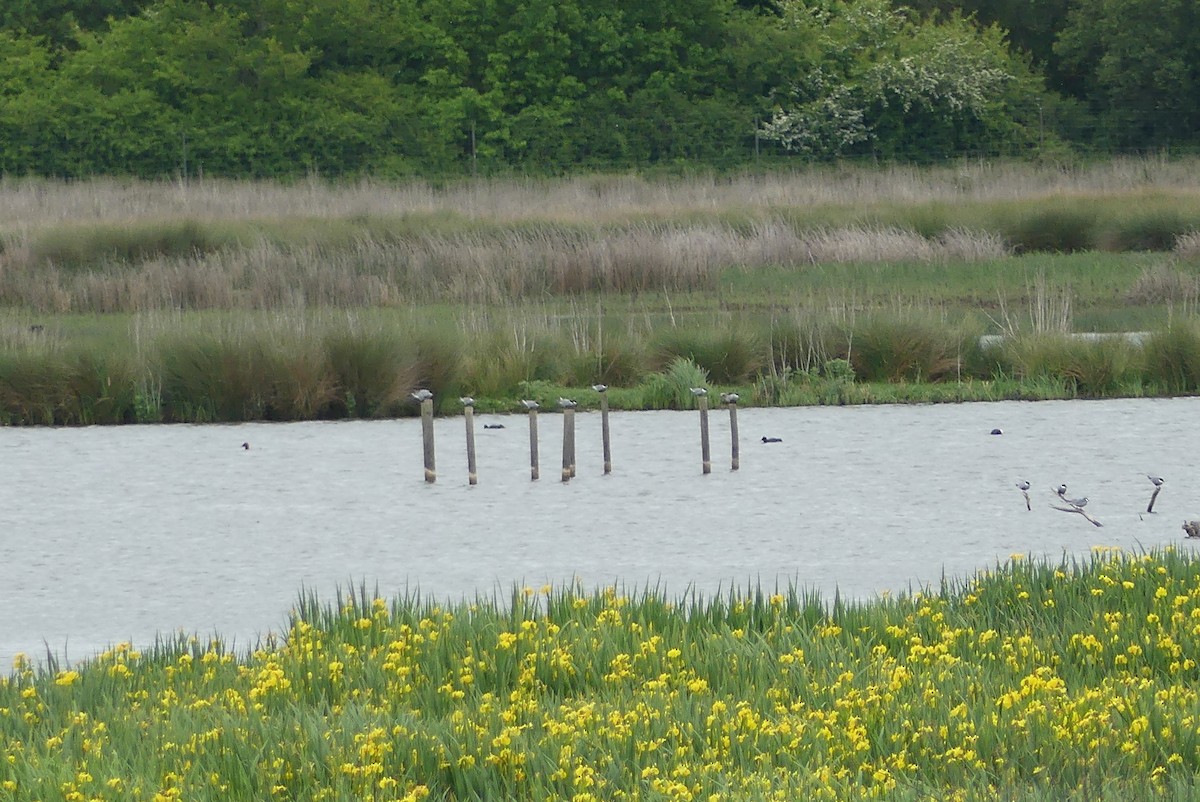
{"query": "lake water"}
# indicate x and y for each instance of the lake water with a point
(121, 533)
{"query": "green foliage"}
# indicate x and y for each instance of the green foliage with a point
(1134, 63)
(413, 87)
(892, 85)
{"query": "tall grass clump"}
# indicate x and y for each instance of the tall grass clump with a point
(1065, 226)
(727, 355)
(1092, 367)
(210, 378)
(1146, 229)
(907, 348)
(1037, 680)
(1172, 359)
(1187, 245)
(54, 386)
(1165, 284)
(671, 388)
(374, 367)
(82, 246)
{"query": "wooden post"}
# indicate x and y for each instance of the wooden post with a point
(469, 415)
(1158, 482)
(568, 466)
(602, 389)
(427, 437)
(532, 406)
(733, 436)
(705, 455)
(571, 424)
(731, 401)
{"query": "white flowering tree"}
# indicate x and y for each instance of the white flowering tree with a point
(883, 82)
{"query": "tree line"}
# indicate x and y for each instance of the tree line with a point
(416, 87)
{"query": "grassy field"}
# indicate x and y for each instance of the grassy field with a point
(1037, 680)
(137, 301)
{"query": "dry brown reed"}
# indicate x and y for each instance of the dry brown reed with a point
(28, 204)
(1187, 246)
(1164, 283)
(473, 267)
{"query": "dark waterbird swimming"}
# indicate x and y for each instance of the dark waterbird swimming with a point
(772, 439)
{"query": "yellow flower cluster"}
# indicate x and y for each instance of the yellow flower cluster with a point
(1032, 676)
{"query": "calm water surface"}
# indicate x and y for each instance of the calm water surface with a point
(122, 533)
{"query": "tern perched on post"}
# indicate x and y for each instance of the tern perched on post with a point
(599, 387)
(422, 394)
(467, 401)
(1157, 481)
(698, 391)
(729, 398)
(567, 403)
(529, 404)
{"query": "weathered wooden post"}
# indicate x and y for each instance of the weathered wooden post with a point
(702, 399)
(730, 400)
(568, 467)
(469, 414)
(602, 388)
(426, 399)
(1157, 481)
(532, 406)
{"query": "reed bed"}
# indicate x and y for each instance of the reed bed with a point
(490, 266)
(104, 246)
(210, 367)
(1037, 680)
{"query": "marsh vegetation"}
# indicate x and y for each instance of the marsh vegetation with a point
(216, 300)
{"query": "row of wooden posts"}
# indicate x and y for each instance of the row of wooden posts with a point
(729, 400)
